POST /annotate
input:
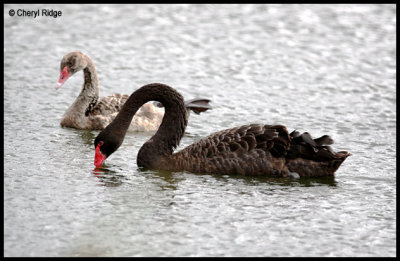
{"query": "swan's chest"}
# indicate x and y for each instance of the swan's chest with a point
(72, 121)
(84, 122)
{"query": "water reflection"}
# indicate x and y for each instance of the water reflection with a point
(257, 180)
(169, 180)
(87, 136)
(166, 180)
(108, 177)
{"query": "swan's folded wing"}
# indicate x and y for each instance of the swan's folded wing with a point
(272, 138)
(109, 104)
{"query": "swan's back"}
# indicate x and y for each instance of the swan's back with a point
(245, 150)
(148, 118)
(242, 139)
(108, 105)
(257, 149)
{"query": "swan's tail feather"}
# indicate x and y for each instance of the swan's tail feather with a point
(198, 105)
(308, 156)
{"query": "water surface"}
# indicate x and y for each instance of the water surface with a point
(325, 69)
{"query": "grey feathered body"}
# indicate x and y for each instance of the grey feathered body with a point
(90, 112)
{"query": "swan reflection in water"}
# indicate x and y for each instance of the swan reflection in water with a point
(167, 180)
(108, 177)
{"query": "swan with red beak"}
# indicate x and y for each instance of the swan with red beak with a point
(90, 112)
(251, 150)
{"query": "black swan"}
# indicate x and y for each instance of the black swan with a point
(254, 149)
(90, 112)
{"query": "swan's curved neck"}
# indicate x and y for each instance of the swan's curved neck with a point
(91, 81)
(172, 127)
(89, 95)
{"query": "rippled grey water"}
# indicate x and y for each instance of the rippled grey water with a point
(325, 69)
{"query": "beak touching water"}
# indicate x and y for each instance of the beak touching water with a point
(64, 75)
(99, 157)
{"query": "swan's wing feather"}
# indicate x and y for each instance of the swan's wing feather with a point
(109, 104)
(243, 139)
(261, 150)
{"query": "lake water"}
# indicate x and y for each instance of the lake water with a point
(325, 69)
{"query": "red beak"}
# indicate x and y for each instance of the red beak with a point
(64, 75)
(99, 157)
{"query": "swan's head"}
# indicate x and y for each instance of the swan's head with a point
(99, 156)
(105, 145)
(70, 64)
